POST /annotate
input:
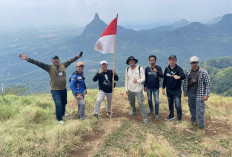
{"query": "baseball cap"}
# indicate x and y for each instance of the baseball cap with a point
(172, 57)
(80, 63)
(103, 62)
(194, 59)
(55, 57)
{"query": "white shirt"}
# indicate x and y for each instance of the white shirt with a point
(130, 74)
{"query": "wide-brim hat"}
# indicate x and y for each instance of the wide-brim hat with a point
(131, 58)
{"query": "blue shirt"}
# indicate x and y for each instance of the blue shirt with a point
(77, 83)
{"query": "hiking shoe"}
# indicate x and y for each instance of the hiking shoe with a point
(96, 115)
(169, 118)
(145, 121)
(157, 117)
(61, 122)
(108, 114)
(132, 113)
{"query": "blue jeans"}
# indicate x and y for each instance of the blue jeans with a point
(156, 98)
(197, 110)
(174, 95)
(60, 99)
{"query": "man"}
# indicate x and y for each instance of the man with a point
(153, 73)
(78, 87)
(173, 76)
(197, 88)
(134, 79)
(104, 78)
(57, 73)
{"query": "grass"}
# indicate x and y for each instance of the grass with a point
(28, 127)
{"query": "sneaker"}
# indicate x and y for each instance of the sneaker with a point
(108, 114)
(169, 118)
(66, 115)
(96, 115)
(201, 127)
(150, 113)
(145, 121)
(132, 113)
(157, 117)
(61, 121)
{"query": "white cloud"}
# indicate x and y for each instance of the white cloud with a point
(22, 13)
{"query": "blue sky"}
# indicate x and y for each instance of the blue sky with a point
(132, 13)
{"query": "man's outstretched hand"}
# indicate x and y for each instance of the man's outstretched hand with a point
(80, 54)
(23, 56)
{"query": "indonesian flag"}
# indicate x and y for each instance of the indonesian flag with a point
(105, 43)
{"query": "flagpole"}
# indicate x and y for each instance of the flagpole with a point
(112, 100)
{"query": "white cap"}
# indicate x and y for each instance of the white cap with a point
(103, 62)
(194, 59)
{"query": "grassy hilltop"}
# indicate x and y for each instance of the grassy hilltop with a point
(28, 128)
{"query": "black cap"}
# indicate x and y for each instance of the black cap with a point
(172, 57)
(55, 57)
(131, 58)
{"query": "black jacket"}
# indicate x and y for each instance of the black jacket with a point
(151, 80)
(169, 82)
(102, 81)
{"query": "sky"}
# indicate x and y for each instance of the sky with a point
(132, 13)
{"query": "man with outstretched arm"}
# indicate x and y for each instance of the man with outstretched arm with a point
(57, 73)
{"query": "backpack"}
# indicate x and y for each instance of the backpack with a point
(128, 69)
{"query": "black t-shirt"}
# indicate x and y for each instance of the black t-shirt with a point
(152, 78)
(193, 82)
(105, 80)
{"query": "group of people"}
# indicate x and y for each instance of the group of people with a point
(196, 86)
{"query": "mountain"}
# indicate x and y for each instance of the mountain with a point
(180, 23)
(205, 41)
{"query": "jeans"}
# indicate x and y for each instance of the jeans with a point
(100, 98)
(156, 98)
(197, 110)
(60, 99)
(140, 99)
(174, 95)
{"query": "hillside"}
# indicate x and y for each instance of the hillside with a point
(28, 128)
(220, 70)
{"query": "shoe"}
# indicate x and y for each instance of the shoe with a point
(132, 113)
(169, 118)
(201, 127)
(145, 121)
(108, 114)
(157, 117)
(150, 113)
(96, 115)
(194, 123)
(61, 121)
(66, 115)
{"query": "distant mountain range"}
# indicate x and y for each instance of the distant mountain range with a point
(183, 38)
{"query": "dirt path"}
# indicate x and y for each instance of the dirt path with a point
(92, 140)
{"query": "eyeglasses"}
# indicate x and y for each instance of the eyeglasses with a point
(80, 66)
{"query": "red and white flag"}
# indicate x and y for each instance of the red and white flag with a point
(105, 43)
